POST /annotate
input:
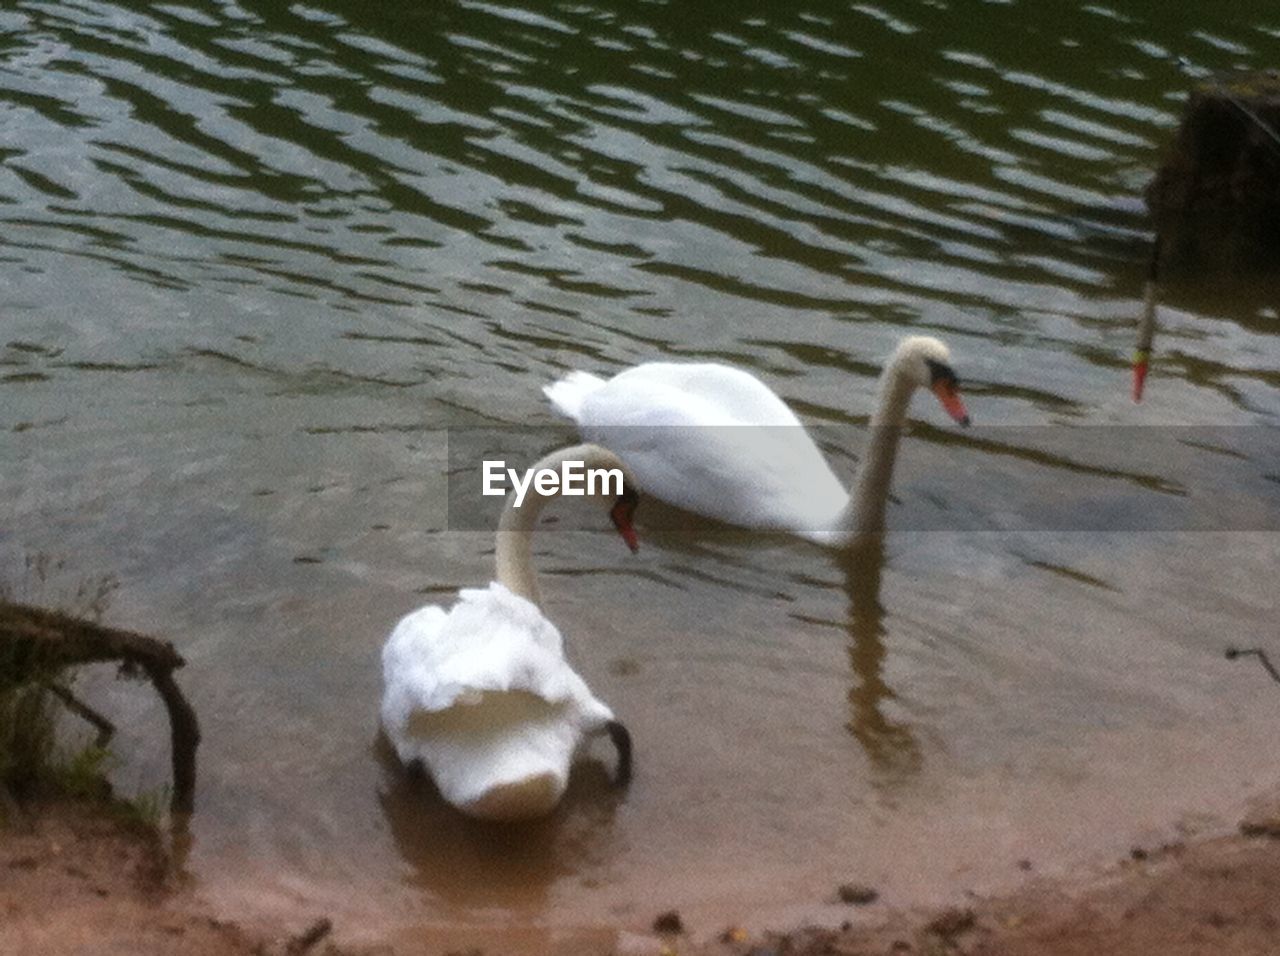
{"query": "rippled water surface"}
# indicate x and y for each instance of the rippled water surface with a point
(259, 257)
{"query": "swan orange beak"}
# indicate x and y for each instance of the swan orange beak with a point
(949, 395)
(1141, 358)
(621, 514)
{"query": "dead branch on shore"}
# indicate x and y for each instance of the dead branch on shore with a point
(36, 641)
(1234, 652)
(306, 940)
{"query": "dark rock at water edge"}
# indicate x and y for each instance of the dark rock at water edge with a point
(1216, 198)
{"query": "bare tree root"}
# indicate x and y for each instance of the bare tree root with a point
(38, 641)
(106, 729)
(1261, 655)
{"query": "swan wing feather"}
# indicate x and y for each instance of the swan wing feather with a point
(569, 393)
(490, 640)
(733, 395)
(716, 441)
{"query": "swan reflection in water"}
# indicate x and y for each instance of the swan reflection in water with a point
(716, 441)
(890, 745)
(475, 864)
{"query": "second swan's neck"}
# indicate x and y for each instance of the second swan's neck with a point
(514, 551)
(864, 513)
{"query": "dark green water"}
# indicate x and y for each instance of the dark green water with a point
(256, 257)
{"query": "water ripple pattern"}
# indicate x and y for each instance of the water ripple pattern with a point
(256, 256)
(619, 180)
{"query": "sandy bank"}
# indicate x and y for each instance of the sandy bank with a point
(76, 879)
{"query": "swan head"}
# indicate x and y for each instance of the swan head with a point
(622, 512)
(926, 362)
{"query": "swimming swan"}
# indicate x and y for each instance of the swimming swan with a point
(482, 695)
(666, 421)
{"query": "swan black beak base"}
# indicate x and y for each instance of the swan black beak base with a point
(621, 738)
(946, 387)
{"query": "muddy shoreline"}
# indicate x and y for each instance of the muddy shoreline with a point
(78, 879)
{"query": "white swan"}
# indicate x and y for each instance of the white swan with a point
(674, 426)
(482, 695)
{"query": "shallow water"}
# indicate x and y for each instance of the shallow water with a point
(265, 265)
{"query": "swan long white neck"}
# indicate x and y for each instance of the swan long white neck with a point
(514, 552)
(864, 513)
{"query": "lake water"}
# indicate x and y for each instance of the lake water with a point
(264, 262)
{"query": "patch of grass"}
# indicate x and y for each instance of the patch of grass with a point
(34, 763)
(28, 738)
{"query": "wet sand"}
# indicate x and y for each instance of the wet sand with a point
(77, 880)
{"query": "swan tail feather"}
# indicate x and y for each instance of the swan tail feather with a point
(568, 394)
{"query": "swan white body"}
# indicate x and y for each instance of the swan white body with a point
(711, 439)
(482, 695)
(717, 441)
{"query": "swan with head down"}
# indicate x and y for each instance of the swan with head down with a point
(481, 694)
(679, 428)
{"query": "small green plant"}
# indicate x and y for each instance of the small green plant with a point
(82, 773)
(147, 809)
